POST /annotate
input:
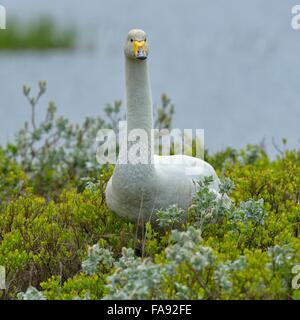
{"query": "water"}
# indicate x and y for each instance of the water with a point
(231, 68)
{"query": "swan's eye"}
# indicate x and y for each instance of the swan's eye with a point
(131, 40)
(145, 40)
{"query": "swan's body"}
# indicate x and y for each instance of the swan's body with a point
(138, 190)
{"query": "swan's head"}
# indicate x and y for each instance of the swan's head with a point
(136, 45)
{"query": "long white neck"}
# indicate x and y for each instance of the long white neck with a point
(132, 179)
(138, 96)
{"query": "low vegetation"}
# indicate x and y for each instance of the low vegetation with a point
(58, 240)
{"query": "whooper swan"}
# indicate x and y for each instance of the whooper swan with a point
(137, 190)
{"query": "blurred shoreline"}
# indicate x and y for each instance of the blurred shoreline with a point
(229, 70)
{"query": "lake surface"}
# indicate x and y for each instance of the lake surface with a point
(231, 68)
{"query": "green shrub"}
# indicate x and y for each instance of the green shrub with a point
(41, 238)
(12, 178)
(236, 252)
(58, 240)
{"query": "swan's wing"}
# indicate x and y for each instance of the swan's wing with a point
(194, 168)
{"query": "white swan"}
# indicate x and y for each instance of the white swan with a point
(136, 191)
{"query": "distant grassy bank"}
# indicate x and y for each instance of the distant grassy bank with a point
(40, 34)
